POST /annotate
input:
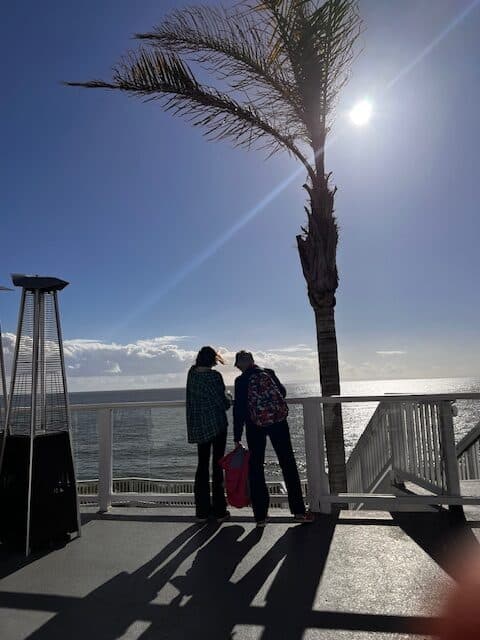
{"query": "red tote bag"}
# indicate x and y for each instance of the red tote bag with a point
(235, 465)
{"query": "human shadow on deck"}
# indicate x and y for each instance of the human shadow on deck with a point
(107, 612)
(276, 593)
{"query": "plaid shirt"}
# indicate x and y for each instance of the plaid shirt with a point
(206, 405)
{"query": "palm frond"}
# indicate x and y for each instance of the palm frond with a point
(276, 67)
(154, 75)
(335, 28)
(317, 39)
(233, 47)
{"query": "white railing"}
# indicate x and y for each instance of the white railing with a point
(371, 458)
(468, 454)
(155, 492)
(89, 488)
(423, 445)
(411, 438)
(105, 490)
(410, 434)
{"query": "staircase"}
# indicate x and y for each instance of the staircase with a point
(412, 443)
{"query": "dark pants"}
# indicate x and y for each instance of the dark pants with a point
(279, 435)
(218, 505)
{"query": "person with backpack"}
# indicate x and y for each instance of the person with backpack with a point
(207, 404)
(260, 406)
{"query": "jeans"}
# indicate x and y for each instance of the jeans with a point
(217, 505)
(279, 435)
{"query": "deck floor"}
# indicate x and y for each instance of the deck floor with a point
(154, 574)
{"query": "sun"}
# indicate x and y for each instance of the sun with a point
(361, 113)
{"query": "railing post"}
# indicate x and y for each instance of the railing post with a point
(397, 428)
(363, 474)
(409, 425)
(449, 451)
(105, 465)
(317, 477)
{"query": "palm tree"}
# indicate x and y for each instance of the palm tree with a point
(277, 67)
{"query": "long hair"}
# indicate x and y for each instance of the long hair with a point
(206, 357)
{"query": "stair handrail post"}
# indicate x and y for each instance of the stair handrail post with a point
(363, 474)
(393, 428)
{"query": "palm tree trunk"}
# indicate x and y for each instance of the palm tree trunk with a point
(330, 384)
(317, 247)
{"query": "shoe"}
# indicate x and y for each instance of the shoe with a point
(199, 520)
(224, 518)
(261, 524)
(304, 518)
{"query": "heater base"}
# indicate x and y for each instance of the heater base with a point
(53, 514)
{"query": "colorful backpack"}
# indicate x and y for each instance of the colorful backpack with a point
(235, 465)
(266, 405)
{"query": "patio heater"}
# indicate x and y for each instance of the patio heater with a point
(38, 493)
(3, 387)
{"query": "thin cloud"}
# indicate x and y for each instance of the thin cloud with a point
(393, 352)
(299, 348)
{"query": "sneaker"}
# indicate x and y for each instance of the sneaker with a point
(304, 518)
(224, 518)
(261, 524)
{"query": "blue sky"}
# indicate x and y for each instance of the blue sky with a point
(126, 202)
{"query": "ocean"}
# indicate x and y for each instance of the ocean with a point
(151, 443)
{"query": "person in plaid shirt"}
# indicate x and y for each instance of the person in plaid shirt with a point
(207, 404)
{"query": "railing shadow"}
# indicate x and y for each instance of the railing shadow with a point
(209, 600)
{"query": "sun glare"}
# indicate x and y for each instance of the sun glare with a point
(361, 113)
